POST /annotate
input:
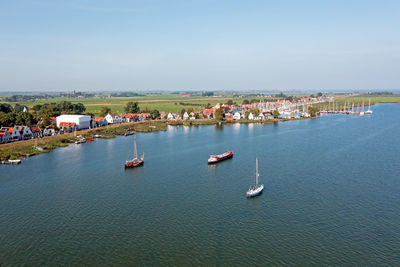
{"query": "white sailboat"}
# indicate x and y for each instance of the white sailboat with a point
(257, 189)
(369, 111)
(362, 109)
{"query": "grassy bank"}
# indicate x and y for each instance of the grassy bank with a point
(26, 148)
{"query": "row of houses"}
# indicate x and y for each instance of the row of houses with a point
(19, 132)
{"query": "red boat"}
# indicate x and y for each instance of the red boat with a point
(90, 140)
(218, 158)
(135, 162)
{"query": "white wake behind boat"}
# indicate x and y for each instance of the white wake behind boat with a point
(257, 189)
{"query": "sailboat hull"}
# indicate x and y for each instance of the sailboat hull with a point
(255, 191)
(134, 164)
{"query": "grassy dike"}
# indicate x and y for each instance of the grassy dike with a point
(26, 148)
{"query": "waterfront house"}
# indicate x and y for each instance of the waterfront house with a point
(260, 116)
(170, 116)
(251, 116)
(36, 132)
(4, 136)
(236, 116)
(100, 121)
(24, 131)
(162, 115)
(228, 116)
(144, 116)
(67, 126)
(208, 113)
(268, 115)
(49, 131)
(113, 118)
(14, 133)
(186, 116)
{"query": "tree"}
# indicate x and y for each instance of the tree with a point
(255, 112)
(313, 111)
(6, 108)
(155, 114)
(37, 107)
(319, 94)
(78, 108)
(45, 121)
(18, 108)
(104, 111)
(229, 102)
(208, 106)
(132, 107)
(219, 114)
(276, 114)
(25, 118)
(183, 111)
(290, 98)
(245, 102)
(7, 119)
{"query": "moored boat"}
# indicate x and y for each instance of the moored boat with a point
(135, 162)
(257, 189)
(217, 158)
(369, 111)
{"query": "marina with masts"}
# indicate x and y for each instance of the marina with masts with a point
(346, 108)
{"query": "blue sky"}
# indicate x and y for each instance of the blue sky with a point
(199, 45)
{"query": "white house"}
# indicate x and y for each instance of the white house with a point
(251, 116)
(236, 116)
(79, 121)
(24, 131)
(49, 132)
(113, 118)
(170, 116)
(186, 116)
(260, 116)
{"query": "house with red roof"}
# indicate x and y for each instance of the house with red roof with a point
(67, 126)
(14, 133)
(4, 136)
(100, 121)
(36, 132)
(228, 116)
(208, 113)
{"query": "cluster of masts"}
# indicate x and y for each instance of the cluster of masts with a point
(347, 108)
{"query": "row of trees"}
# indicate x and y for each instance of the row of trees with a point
(9, 115)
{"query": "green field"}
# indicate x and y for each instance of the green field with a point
(374, 99)
(166, 103)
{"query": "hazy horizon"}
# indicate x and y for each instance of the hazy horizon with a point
(305, 46)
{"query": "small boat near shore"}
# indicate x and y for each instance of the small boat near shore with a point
(217, 158)
(257, 189)
(11, 161)
(80, 140)
(135, 162)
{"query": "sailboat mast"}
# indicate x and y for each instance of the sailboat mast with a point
(256, 171)
(134, 138)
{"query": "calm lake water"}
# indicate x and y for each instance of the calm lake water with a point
(332, 197)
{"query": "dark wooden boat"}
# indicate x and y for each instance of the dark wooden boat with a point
(135, 162)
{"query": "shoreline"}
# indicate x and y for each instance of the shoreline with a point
(26, 148)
